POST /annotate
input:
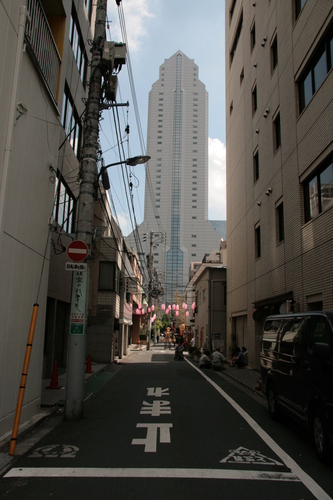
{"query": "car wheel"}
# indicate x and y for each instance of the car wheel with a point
(320, 436)
(272, 404)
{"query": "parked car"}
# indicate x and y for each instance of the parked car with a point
(296, 363)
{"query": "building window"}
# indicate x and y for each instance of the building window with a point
(274, 54)
(279, 223)
(254, 99)
(299, 4)
(236, 39)
(241, 77)
(277, 132)
(316, 70)
(232, 8)
(257, 240)
(88, 8)
(256, 166)
(109, 277)
(253, 36)
(64, 205)
(318, 190)
(77, 44)
(71, 122)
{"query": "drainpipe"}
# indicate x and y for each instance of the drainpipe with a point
(11, 116)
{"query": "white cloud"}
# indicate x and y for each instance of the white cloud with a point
(137, 13)
(216, 180)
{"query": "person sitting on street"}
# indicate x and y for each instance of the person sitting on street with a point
(217, 360)
(244, 351)
(205, 361)
(239, 360)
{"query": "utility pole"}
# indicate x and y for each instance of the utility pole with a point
(88, 171)
(150, 266)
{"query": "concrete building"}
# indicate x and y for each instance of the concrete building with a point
(208, 288)
(279, 145)
(176, 189)
(43, 66)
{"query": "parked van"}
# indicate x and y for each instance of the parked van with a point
(296, 363)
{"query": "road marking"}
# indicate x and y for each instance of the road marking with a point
(156, 408)
(150, 442)
(151, 473)
(55, 451)
(245, 456)
(312, 486)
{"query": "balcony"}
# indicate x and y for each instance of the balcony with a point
(42, 48)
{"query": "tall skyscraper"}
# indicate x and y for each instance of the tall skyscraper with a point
(176, 189)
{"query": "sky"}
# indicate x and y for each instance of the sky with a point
(156, 29)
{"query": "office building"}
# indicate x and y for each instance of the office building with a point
(176, 188)
(279, 145)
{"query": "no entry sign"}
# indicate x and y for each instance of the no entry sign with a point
(77, 251)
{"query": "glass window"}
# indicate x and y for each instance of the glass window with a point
(326, 187)
(64, 205)
(71, 122)
(291, 336)
(256, 166)
(317, 332)
(277, 132)
(253, 36)
(280, 223)
(257, 242)
(299, 4)
(316, 70)
(320, 71)
(274, 53)
(254, 99)
(318, 191)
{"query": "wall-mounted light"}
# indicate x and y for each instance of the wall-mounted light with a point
(263, 41)
(257, 131)
(258, 203)
(255, 65)
(268, 192)
(265, 115)
(267, 110)
(254, 4)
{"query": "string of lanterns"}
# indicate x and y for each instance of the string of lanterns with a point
(174, 307)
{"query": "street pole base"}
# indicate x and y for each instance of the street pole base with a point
(73, 410)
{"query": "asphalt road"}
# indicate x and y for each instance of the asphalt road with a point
(161, 428)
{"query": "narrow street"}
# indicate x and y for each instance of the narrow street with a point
(161, 428)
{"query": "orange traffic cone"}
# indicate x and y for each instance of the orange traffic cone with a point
(88, 367)
(54, 380)
(259, 386)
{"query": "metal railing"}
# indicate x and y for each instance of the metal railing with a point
(41, 47)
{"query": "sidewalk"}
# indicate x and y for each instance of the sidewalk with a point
(53, 400)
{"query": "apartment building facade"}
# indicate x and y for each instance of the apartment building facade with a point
(44, 69)
(279, 100)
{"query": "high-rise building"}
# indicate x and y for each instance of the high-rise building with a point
(279, 81)
(176, 189)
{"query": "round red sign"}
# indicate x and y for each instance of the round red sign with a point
(77, 251)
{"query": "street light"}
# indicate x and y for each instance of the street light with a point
(131, 162)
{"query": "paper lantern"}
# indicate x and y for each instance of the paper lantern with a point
(167, 311)
(163, 307)
(149, 309)
(139, 306)
(173, 307)
(177, 307)
(142, 311)
(152, 307)
(187, 314)
(137, 311)
(177, 313)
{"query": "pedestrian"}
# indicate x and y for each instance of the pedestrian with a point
(205, 361)
(218, 360)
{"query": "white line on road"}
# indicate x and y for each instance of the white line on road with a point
(315, 489)
(150, 473)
